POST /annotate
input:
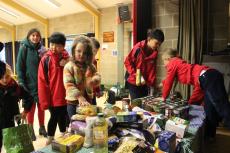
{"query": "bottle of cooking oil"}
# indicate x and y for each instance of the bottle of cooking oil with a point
(100, 134)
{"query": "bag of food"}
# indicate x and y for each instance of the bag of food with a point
(90, 110)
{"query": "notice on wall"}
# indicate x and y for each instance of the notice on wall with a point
(114, 52)
(108, 36)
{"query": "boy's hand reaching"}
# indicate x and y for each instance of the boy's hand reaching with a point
(84, 103)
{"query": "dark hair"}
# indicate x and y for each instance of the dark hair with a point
(1, 46)
(155, 34)
(88, 49)
(58, 38)
(95, 42)
(2, 69)
(32, 31)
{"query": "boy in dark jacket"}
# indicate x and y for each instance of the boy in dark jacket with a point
(208, 86)
(51, 91)
(10, 94)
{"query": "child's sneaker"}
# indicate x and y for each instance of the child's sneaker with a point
(42, 131)
(62, 134)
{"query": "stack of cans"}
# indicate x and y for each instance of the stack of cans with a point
(169, 108)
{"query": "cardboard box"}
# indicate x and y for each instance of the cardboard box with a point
(67, 143)
(126, 117)
(167, 141)
(177, 125)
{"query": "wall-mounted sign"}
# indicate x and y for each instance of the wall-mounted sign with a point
(108, 36)
(114, 52)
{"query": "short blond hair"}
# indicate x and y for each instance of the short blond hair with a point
(169, 53)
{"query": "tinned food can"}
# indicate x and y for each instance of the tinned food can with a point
(176, 112)
(168, 112)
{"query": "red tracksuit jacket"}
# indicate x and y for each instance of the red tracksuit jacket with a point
(146, 64)
(186, 74)
(51, 93)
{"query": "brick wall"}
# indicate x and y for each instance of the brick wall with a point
(165, 16)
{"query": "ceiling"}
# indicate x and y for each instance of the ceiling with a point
(47, 10)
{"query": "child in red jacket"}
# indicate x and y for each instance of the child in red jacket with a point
(208, 86)
(143, 58)
(51, 89)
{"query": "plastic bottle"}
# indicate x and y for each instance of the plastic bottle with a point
(100, 134)
(126, 108)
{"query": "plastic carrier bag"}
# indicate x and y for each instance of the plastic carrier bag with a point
(18, 139)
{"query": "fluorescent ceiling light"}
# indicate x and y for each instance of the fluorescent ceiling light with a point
(9, 12)
(54, 3)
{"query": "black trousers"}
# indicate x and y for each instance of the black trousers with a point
(216, 101)
(57, 116)
(137, 91)
(0, 139)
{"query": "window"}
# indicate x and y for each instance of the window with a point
(68, 45)
(2, 55)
